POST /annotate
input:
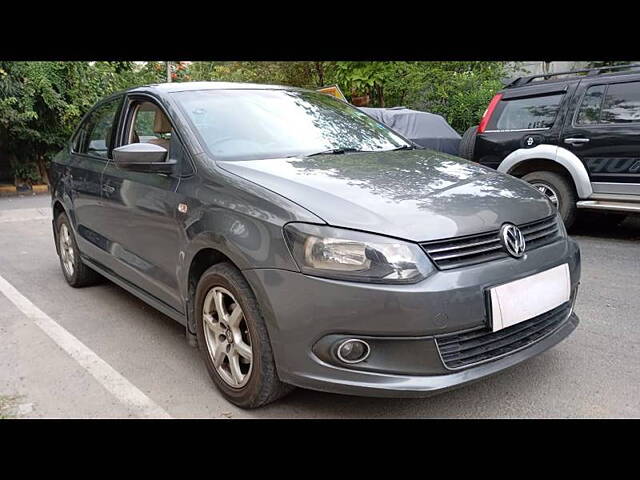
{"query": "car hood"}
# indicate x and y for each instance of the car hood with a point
(417, 195)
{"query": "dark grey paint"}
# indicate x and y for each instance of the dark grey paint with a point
(417, 195)
(129, 228)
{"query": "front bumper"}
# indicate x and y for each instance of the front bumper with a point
(401, 323)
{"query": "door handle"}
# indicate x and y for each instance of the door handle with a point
(108, 189)
(576, 141)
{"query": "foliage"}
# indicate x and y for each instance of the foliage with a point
(42, 102)
(459, 91)
(27, 173)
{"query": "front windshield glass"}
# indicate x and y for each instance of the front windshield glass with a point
(256, 124)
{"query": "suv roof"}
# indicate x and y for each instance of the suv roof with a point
(573, 75)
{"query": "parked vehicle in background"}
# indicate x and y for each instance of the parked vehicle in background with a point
(302, 242)
(423, 128)
(574, 135)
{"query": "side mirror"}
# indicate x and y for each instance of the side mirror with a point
(144, 157)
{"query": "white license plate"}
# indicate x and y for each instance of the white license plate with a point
(520, 300)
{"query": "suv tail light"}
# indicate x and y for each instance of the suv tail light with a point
(486, 116)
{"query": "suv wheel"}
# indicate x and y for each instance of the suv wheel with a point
(558, 190)
(468, 143)
(233, 339)
(75, 272)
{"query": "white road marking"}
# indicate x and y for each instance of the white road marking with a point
(105, 374)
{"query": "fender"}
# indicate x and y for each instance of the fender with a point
(557, 154)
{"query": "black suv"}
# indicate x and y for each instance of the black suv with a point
(574, 135)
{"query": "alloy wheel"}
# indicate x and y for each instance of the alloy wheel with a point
(67, 254)
(227, 337)
(549, 192)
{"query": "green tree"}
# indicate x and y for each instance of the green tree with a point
(459, 91)
(41, 103)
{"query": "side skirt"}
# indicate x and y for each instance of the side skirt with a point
(138, 292)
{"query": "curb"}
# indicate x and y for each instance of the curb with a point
(12, 191)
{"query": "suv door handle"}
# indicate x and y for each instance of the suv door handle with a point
(576, 141)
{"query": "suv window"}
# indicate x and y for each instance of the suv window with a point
(589, 112)
(621, 103)
(526, 113)
(99, 128)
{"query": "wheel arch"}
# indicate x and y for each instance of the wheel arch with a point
(201, 259)
(58, 208)
(552, 158)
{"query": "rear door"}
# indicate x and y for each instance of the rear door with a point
(524, 118)
(91, 151)
(604, 132)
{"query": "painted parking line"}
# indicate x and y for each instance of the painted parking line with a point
(126, 392)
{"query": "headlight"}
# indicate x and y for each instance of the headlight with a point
(349, 255)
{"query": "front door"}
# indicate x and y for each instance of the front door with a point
(141, 209)
(605, 134)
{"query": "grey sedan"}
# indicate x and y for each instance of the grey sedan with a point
(303, 243)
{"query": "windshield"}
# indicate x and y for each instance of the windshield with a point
(254, 124)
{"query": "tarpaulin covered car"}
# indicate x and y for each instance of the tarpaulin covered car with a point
(426, 129)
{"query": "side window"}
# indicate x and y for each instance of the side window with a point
(621, 103)
(99, 129)
(79, 139)
(589, 112)
(528, 113)
(149, 125)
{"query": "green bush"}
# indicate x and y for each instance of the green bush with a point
(27, 173)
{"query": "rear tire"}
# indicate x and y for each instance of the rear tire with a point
(237, 353)
(555, 184)
(467, 145)
(75, 272)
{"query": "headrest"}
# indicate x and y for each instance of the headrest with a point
(161, 123)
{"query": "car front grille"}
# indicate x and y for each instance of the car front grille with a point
(473, 249)
(476, 346)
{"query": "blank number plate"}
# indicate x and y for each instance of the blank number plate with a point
(520, 300)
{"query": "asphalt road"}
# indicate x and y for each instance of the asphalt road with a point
(594, 373)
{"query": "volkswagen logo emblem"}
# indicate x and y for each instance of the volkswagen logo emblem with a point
(512, 240)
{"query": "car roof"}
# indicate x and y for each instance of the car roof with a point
(195, 86)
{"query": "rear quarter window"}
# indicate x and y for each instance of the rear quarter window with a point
(526, 113)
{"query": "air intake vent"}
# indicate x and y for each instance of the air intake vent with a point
(473, 249)
(477, 346)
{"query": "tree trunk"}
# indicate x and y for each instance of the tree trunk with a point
(42, 168)
(380, 92)
(320, 72)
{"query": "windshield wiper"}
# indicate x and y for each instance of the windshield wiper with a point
(336, 151)
(403, 147)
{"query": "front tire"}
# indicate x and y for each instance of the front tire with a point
(233, 339)
(558, 190)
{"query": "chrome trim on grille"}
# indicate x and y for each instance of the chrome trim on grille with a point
(484, 247)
